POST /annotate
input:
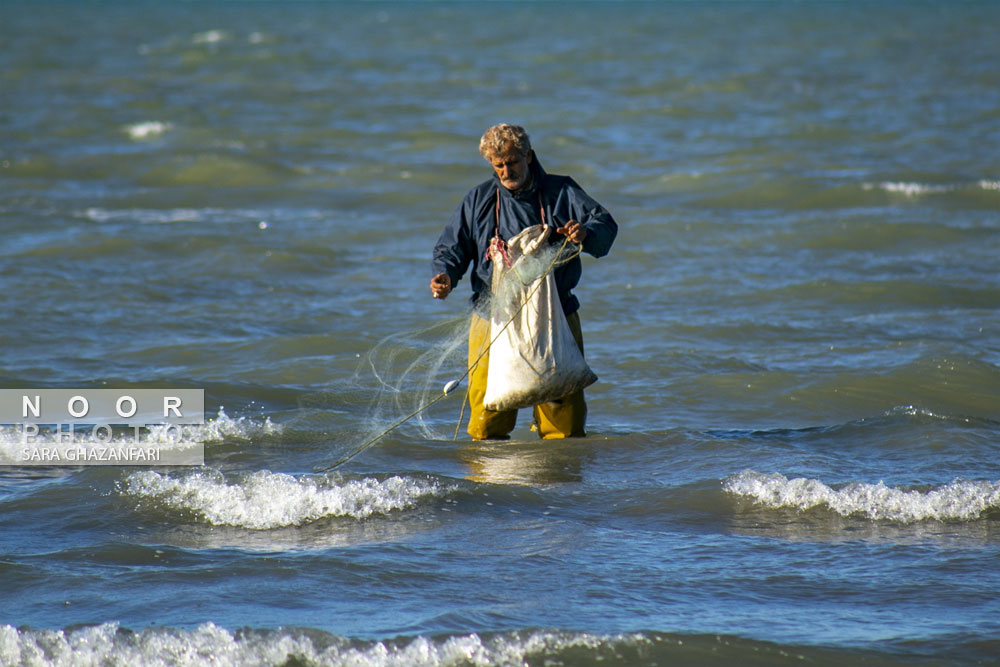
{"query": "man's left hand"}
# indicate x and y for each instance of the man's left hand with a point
(573, 231)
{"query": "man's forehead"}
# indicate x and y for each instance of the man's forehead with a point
(507, 156)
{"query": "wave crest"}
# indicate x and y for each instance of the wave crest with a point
(266, 500)
(958, 501)
(210, 644)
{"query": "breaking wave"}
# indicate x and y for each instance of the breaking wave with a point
(265, 500)
(224, 427)
(209, 644)
(958, 501)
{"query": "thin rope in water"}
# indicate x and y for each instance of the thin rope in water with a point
(556, 261)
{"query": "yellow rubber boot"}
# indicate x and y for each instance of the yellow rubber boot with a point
(567, 417)
(484, 424)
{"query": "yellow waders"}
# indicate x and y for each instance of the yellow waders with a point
(564, 418)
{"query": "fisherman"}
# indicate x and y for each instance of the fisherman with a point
(519, 195)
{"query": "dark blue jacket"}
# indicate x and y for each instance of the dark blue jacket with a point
(466, 238)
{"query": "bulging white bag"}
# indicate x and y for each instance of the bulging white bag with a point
(534, 359)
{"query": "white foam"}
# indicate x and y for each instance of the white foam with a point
(914, 411)
(147, 129)
(146, 216)
(224, 427)
(909, 189)
(210, 644)
(266, 500)
(149, 216)
(957, 501)
(209, 37)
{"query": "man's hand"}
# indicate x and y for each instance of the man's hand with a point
(574, 231)
(441, 286)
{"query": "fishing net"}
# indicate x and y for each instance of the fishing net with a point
(534, 357)
(409, 368)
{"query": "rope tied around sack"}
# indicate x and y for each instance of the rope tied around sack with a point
(497, 244)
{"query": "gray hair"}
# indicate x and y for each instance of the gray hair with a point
(503, 138)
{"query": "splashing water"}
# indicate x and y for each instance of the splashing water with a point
(266, 500)
(210, 644)
(957, 501)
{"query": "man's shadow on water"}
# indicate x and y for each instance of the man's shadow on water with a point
(530, 463)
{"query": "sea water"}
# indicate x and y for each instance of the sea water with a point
(793, 447)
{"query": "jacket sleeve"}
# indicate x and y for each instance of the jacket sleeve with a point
(455, 247)
(601, 227)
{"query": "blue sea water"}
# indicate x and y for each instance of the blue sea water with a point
(792, 449)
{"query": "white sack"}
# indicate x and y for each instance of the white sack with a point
(535, 359)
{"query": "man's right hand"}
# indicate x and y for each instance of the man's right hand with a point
(441, 286)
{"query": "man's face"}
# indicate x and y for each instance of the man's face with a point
(512, 169)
